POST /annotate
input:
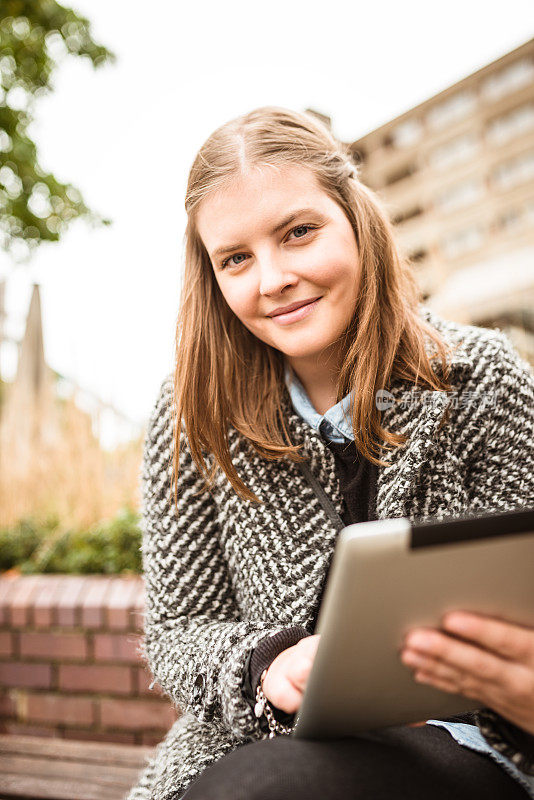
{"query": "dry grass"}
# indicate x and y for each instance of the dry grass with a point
(73, 479)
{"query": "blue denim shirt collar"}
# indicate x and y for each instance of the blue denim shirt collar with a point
(334, 424)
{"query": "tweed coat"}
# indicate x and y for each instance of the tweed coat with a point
(222, 573)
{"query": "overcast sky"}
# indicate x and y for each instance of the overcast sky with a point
(126, 136)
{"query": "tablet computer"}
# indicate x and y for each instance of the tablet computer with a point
(389, 576)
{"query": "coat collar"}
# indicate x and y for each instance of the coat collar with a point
(418, 415)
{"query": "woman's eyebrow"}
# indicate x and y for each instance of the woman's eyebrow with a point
(220, 251)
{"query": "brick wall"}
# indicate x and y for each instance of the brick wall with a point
(68, 661)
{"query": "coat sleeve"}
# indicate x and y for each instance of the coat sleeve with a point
(498, 431)
(195, 643)
(261, 657)
(498, 444)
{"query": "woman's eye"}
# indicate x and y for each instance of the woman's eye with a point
(225, 262)
(304, 228)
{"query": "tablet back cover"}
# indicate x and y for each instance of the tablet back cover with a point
(378, 589)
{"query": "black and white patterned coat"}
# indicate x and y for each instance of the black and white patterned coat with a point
(222, 573)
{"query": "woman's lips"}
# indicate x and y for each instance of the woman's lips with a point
(294, 316)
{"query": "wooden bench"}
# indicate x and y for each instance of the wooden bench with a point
(60, 769)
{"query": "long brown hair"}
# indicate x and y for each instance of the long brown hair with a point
(225, 376)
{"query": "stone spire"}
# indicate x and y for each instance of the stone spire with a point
(29, 416)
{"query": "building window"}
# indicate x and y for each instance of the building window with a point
(529, 212)
(407, 133)
(510, 220)
(516, 218)
(510, 125)
(400, 174)
(451, 110)
(454, 151)
(460, 195)
(416, 256)
(514, 171)
(358, 156)
(404, 216)
(508, 80)
(461, 242)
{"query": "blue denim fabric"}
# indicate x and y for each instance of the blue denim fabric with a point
(470, 736)
(335, 425)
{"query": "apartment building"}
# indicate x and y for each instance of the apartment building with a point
(456, 174)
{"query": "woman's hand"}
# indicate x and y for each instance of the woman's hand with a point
(288, 674)
(483, 658)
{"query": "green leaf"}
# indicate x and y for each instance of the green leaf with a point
(35, 36)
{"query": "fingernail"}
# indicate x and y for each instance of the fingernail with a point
(455, 621)
(419, 641)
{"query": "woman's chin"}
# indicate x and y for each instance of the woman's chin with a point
(303, 351)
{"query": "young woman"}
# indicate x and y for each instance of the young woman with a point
(312, 390)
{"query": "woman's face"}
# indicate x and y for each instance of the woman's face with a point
(283, 241)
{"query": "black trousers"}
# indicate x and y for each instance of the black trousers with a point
(391, 764)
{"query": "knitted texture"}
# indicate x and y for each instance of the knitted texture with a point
(222, 573)
(507, 738)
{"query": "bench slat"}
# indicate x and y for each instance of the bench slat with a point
(46, 768)
(69, 750)
(30, 786)
(41, 768)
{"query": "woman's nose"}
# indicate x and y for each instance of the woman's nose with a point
(275, 275)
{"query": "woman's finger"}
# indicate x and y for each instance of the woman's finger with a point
(286, 698)
(441, 683)
(506, 639)
(515, 694)
(520, 715)
(299, 671)
(463, 656)
(281, 692)
(308, 645)
(444, 676)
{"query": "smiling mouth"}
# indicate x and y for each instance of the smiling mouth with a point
(291, 310)
(289, 317)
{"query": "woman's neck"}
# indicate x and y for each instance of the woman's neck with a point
(319, 381)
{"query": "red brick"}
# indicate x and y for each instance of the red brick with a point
(97, 736)
(6, 643)
(44, 602)
(116, 647)
(69, 600)
(21, 600)
(92, 678)
(53, 645)
(137, 620)
(151, 739)
(59, 709)
(21, 729)
(8, 706)
(19, 674)
(8, 584)
(95, 601)
(121, 602)
(144, 680)
(139, 610)
(136, 714)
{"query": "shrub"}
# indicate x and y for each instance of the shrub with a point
(109, 547)
(19, 543)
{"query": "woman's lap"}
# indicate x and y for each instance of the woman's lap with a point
(402, 762)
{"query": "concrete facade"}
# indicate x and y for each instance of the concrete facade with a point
(456, 174)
